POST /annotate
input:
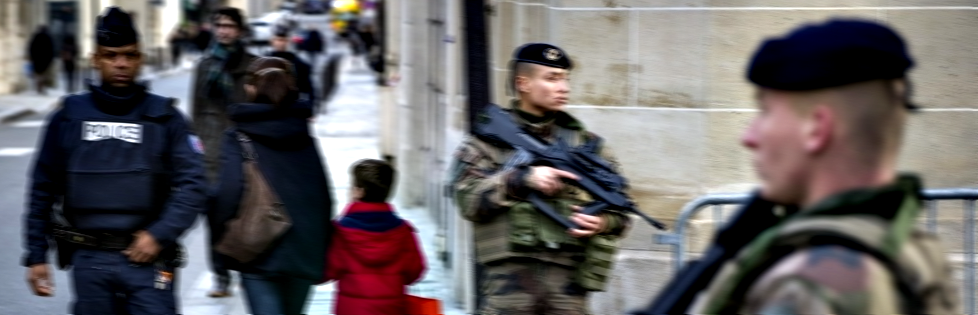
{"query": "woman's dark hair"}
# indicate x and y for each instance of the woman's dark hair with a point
(274, 81)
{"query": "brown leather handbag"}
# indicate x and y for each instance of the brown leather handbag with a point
(262, 218)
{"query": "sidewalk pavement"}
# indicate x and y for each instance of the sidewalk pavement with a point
(349, 132)
(29, 102)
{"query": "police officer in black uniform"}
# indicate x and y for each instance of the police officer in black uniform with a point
(126, 171)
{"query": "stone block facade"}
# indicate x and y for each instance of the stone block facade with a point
(664, 82)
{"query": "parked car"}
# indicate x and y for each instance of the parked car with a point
(261, 32)
(263, 27)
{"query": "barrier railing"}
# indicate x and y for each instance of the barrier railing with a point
(678, 238)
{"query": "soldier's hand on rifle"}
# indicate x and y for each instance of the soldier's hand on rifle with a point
(547, 179)
(143, 249)
(590, 224)
(39, 278)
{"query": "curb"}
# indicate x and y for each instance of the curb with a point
(10, 115)
(14, 114)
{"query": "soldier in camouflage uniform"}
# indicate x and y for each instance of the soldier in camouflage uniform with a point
(532, 264)
(833, 102)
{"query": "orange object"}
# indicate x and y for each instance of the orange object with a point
(423, 306)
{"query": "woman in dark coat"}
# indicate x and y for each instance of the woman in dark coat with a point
(278, 281)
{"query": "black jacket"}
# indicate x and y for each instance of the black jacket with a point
(41, 51)
(313, 42)
(289, 159)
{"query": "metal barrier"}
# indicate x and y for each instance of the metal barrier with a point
(677, 239)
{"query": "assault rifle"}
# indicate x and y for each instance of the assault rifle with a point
(676, 297)
(595, 175)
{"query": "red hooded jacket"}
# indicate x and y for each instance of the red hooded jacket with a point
(373, 256)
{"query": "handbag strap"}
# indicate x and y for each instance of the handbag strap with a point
(249, 150)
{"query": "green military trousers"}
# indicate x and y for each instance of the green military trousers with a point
(530, 287)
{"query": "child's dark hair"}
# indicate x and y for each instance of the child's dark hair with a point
(375, 177)
(274, 81)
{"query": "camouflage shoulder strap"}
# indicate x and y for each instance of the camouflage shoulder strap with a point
(792, 242)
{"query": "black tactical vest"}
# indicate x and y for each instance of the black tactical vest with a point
(116, 170)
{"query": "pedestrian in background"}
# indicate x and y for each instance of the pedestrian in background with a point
(219, 82)
(125, 169)
(273, 122)
(303, 72)
(375, 254)
(312, 44)
(69, 53)
(41, 55)
(176, 40)
(204, 37)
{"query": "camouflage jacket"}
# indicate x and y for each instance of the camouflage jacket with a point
(484, 189)
(897, 268)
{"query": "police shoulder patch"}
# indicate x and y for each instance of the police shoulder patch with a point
(195, 144)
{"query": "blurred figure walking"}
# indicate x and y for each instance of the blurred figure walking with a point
(312, 44)
(219, 82)
(303, 72)
(69, 53)
(41, 55)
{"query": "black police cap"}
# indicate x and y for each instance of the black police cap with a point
(543, 54)
(115, 29)
(836, 53)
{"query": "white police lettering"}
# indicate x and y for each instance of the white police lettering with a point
(100, 130)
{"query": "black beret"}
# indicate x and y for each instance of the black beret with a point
(838, 52)
(543, 54)
(115, 29)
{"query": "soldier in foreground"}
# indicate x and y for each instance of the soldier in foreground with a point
(532, 264)
(126, 170)
(833, 101)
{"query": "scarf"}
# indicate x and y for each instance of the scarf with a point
(220, 84)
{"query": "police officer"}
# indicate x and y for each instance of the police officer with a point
(126, 170)
(532, 264)
(833, 101)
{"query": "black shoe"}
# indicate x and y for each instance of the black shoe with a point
(221, 287)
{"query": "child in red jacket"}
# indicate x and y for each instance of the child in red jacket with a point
(374, 253)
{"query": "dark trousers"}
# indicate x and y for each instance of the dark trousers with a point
(311, 56)
(175, 51)
(218, 266)
(106, 282)
(275, 294)
(69, 71)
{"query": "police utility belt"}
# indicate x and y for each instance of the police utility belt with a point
(97, 240)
